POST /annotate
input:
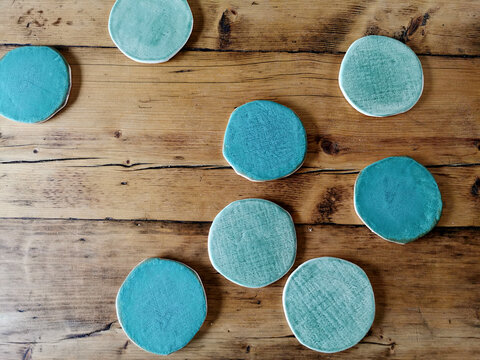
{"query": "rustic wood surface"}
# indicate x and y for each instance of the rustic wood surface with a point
(132, 168)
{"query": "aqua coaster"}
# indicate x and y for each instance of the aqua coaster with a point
(161, 305)
(329, 304)
(398, 199)
(150, 31)
(264, 141)
(252, 242)
(380, 76)
(35, 83)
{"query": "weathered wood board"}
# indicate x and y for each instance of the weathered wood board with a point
(59, 280)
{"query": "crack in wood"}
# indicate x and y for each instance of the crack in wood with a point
(87, 334)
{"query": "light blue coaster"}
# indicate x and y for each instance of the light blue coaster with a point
(264, 141)
(398, 199)
(161, 305)
(329, 304)
(252, 242)
(380, 76)
(150, 31)
(35, 83)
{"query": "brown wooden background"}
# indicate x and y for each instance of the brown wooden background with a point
(132, 168)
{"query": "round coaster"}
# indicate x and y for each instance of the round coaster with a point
(35, 83)
(161, 305)
(252, 242)
(398, 199)
(329, 304)
(380, 76)
(264, 141)
(150, 31)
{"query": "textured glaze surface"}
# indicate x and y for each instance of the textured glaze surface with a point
(329, 304)
(380, 76)
(34, 83)
(264, 141)
(150, 31)
(252, 242)
(398, 199)
(161, 305)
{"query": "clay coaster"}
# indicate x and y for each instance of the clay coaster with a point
(264, 141)
(329, 304)
(398, 199)
(252, 242)
(161, 305)
(35, 83)
(150, 31)
(380, 76)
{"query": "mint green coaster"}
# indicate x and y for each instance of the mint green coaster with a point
(329, 304)
(252, 242)
(150, 31)
(35, 82)
(161, 305)
(398, 199)
(380, 76)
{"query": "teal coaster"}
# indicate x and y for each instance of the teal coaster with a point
(329, 304)
(150, 31)
(380, 76)
(398, 199)
(252, 242)
(264, 141)
(35, 83)
(161, 305)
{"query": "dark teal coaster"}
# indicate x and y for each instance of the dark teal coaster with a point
(380, 76)
(398, 199)
(264, 141)
(329, 304)
(150, 31)
(35, 83)
(252, 242)
(161, 305)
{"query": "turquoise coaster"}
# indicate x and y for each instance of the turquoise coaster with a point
(34, 84)
(380, 76)
(329, 304)
(161, 305)
(264, 141)
(398, 199)
(150, 31)
(252, 242)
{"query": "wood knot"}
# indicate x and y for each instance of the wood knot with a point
(329, 147)
(328, 205)
(225, 27)
(117, 134)
(475, 190)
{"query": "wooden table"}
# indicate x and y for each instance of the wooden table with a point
(132, 168)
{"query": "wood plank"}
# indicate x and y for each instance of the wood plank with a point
(176, 113)
(76, 189)
(59, 280)
(428, 26)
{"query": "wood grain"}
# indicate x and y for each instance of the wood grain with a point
(59, 280)
(144, 142)
(429, 27)
(176, 113)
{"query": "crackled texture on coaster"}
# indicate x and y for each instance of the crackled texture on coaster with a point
(380, 76)
(329, 304)
(161, 305)
(252, 242)
(150, 31)
(264, 141)
(398, 199)
(34, 84)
